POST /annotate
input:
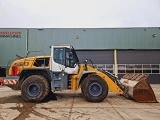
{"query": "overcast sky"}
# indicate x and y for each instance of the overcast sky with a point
(79, 13)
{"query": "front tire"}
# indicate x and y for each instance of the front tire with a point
(94, 88)
(35, 88)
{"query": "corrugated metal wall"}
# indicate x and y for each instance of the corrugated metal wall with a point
(11, 45)
(90, 38)
(80, 38)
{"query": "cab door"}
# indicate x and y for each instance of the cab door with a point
(63, 60)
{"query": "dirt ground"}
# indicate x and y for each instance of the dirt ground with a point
(70, 105)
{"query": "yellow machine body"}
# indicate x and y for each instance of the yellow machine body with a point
(111, 85)
(29, 62)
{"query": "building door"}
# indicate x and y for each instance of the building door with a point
(140, 61)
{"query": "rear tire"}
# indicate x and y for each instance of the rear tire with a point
(94, 88)
(35, 88)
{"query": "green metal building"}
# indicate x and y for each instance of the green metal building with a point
(118, 50)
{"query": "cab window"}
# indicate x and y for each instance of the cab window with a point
(41, 62)
(59, 55)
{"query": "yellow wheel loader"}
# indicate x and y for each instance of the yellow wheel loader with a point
(40, 75)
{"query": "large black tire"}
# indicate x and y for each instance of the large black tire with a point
(35, 88)
(94, 88)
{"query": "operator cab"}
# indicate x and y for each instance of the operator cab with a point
(64, 58)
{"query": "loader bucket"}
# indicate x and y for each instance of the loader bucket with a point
(137, 87)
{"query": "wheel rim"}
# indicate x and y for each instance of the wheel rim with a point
(95, 89)
(33, 90)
